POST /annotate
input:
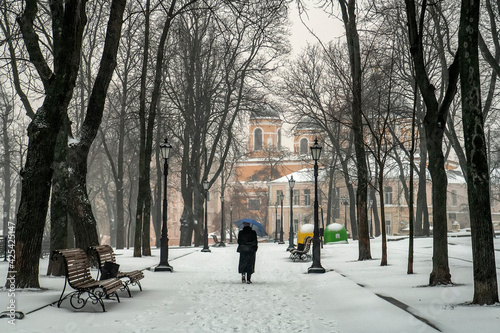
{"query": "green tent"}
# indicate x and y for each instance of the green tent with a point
(335, 233)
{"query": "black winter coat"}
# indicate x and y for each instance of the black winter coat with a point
(247, 246)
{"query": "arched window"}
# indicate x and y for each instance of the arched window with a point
(257, 139)
(304, 146)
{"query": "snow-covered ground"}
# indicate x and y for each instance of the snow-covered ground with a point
(205, 294)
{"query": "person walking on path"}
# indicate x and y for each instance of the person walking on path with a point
(247, 247)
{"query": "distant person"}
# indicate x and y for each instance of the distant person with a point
(247, 247)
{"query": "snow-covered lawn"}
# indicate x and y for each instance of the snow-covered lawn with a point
(205, 294)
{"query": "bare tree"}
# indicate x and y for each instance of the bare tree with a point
(147, 117)
(68, 22)
(348, 8)
(317, 87)
(222, 56)
(434, 122)
(6, 118)
(483, 251)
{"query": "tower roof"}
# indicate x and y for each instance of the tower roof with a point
(307, 125)
(266, 112)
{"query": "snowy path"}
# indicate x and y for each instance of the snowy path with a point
(213, 299)
(205, 294)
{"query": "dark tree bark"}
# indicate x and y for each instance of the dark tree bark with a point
(348, 8)
(59, 201)
(7, 174)
(187, 218)
(68, 22)
(79, 207)
(376, 218)
(483, 251)
(434, 124)
(422, 226)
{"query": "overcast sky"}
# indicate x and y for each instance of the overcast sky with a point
(325, 27)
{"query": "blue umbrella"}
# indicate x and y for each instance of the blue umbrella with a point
(259, 228)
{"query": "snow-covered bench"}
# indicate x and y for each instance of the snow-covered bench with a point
(296, 254)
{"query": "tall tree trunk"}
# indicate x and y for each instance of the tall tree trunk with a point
(68, 21)
(376, 217)
(142, 185)
(188, 217)
(348, 8)
(79, 207)
(59, 202)
(422, 227)
(157, 194)
(146, 228)
(383, 261)
(331, 195)
(411, 220)
(483, 251)
(7, 175)
(199, 213)
(120, 205)
(434, 124)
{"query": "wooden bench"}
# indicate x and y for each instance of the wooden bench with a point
(296, 254)
(79, 278)
(105, 253)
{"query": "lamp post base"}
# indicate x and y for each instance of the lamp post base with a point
(205, 250)
(222, 244)
(316, 270)
(290, 247)
(281, 242)
(164, 268)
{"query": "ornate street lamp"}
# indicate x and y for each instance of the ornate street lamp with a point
(281, 220)
(316, 257)
(291, 184)
(276, 222)
(206, 186)
(371, 218)
(222, 232)
(231, 224)
(345, 202)
(164, 266)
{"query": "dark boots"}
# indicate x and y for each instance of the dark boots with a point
(247, 280)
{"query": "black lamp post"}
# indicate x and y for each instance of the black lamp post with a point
(291, 184)
(371, 218)
(345, 202)
(276, 222)
(231, 224)
(281, 220)
(222, 232)
(316, 257)
(206, 186)
(164, 266)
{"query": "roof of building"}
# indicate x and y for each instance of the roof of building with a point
(302, 176)
(266, 112)
(307, 125)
